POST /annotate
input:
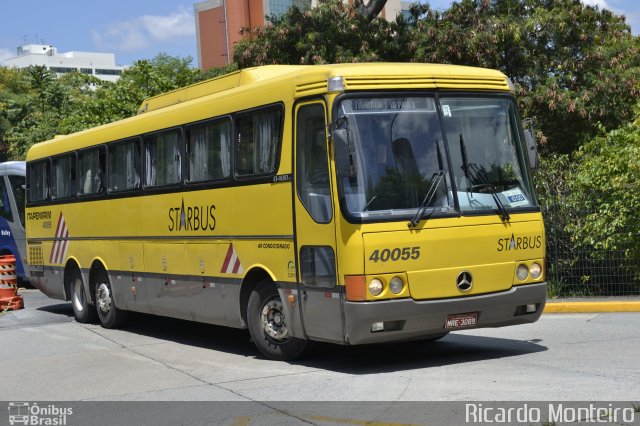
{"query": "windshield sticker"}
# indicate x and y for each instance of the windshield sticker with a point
(387, 105)
(516, 198)
(446, 111)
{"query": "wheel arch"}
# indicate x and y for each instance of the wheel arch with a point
(255, 275)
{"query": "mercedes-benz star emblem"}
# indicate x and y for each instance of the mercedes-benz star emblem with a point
(464, 281)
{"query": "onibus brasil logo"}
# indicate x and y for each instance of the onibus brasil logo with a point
(25, 413)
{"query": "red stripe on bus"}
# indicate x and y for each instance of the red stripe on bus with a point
(59, 226)
(225, 265)
(63, 248)
(236, 267)
(60, 242)
(54, 249)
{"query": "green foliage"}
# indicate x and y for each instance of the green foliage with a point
(35, 105)
(13, 86)
(607, 185)
(332, 32)
(590, 203)
(576, 67)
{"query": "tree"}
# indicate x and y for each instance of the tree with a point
(329, 33)
(607, 188)
(371, 9)
(35, 105)
(14, 87)
(41, 79)
(576, 67)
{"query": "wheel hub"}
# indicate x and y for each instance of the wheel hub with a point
(273, 320)
(103, 297)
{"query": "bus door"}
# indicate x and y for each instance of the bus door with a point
(320, 298)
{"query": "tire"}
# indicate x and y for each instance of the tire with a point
(82, 310)
(108, 314)
(267, 324)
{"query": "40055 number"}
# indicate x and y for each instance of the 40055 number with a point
(404, 253)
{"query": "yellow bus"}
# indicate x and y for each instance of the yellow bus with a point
(353, 204)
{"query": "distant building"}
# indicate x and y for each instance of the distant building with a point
(101, 65)
(218, 23)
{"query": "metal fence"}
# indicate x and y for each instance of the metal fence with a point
(575, 269)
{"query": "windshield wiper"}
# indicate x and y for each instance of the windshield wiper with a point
(481, 175)
(371, 200)
(435, 182)
(473, 173)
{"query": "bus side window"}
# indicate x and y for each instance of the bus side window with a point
(17, 185)
(38, 181)
(64, 177)
(5, 205)
(124, 166)
(257, 142)
(162, 158)
(91, 166)
(209, 151)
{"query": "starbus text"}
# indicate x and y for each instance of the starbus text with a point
(197, 218)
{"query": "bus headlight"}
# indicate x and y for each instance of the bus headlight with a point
(522, 272)
(375, 287)
(535, 270)
(396, 285)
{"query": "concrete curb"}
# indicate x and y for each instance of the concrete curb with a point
(595, 306)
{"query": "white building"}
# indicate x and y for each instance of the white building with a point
(101, 65)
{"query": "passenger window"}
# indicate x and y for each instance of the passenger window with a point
(63, 177)
(162, 159)
(312, 173)
(124, 166)
(209, 150)
(91, 171)
(17, 185)
(38, 181)
(258, 138)
(5, 205)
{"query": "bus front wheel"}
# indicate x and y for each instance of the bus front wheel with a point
(268, 324)
(110, 316)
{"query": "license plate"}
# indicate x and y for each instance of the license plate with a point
(461, 320)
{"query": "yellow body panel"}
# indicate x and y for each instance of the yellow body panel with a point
(480, 245)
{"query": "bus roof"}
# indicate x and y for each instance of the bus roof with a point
(313, 78)
(285, 81)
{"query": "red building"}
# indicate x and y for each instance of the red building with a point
(219, 22)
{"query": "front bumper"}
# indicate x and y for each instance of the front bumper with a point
(409, 319)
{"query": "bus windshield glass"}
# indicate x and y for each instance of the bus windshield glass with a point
(395, 151)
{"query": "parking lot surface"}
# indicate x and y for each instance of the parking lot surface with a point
(562, 357)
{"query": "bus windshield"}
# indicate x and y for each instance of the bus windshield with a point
(399, 147)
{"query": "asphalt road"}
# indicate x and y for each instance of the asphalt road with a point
(563, 357)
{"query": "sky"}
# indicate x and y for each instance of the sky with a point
(141, 29)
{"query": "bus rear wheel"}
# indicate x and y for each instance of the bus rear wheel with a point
(82, 310)
(268, 325)
(110, 316)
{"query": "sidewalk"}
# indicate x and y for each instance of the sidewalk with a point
(594, 304)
